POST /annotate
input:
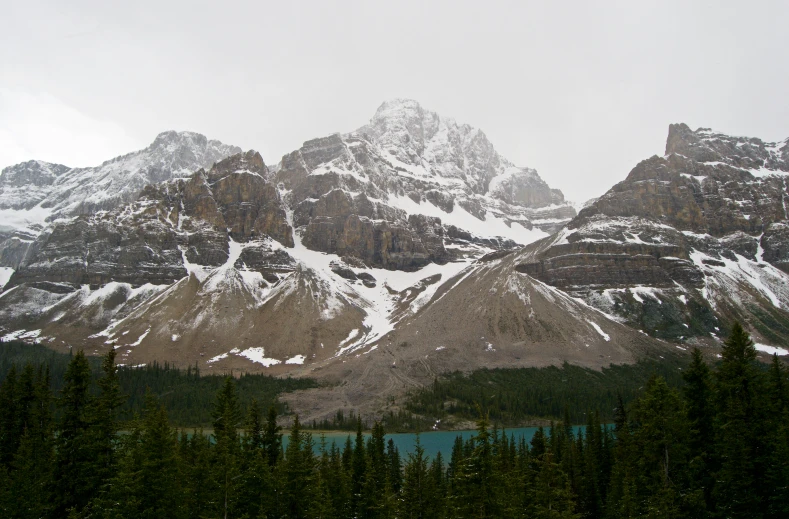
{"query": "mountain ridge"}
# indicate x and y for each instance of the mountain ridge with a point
(384, 256)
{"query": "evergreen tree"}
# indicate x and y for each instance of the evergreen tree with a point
(196, 455)
(227, 417)
(394, 465)
(476, 483)
(298, 469)
(31, 467)
(551, 496)
(103, 429)
(359, 468)
(738, 445)
(272, 437)
(74, 476)
(9, 417)
(660, 447)
(701, 415)
(160, 493)
(254, 436)
(418, 497)
(777, 467)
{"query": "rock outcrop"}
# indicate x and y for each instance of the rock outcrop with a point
(34, 194)
(185, 252)
(686, 242)
(171, 226)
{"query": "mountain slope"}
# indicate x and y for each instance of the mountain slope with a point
(379, 258)
(354, 233)
(687, 243)
(34, 193)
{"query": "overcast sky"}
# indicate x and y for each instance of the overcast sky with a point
(579, 90)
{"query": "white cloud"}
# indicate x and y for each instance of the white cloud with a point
(40, 126)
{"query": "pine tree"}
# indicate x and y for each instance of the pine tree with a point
(777, 469)
(298, 472)
(359, 470)
(160, 493)
(700, 412)
(9, 417)
(196, 455)
(272, 438)
(551, 496)
(418, 499)
(394, 465)
(226, 418)
(74, 477)
(254, 436)
(477, 484)
(103, 431)
(660, 446)
(32, 464)
(737, 441)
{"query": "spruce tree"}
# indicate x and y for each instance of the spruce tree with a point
(551, 496)
(418, 499)
(74, 477)
(272, 437)
(31, 468)
(660, 447)
(777, 469)
(226, 419)
(701, 415)
(298, 468)
(103, 431)
(9, 417)
(160, 491)
(737, 492)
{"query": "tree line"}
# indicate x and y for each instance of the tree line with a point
(718, 447)
(514, 396)
(187, 394)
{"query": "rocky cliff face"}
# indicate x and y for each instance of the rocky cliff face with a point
(35, 193)
(686, 242)
(171, 227)
(380, 257)
(391, 192)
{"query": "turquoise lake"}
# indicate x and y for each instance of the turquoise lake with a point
(433, 442)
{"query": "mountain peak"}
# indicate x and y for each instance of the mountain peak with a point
(708, 146)
(398, 107)
(178, 138)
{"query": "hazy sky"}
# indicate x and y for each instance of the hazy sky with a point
(579, 90)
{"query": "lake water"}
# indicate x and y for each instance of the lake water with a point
(433, 442)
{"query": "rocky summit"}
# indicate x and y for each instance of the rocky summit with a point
(386, 255)
(34, 194)
(686, 243)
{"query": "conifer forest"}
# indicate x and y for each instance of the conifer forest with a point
(715, 447)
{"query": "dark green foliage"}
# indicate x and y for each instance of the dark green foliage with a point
(512, 396)
(400, 421)
(187, 395)
(719, 447)
(75, 470)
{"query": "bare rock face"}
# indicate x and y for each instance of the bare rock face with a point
(171, 225)
(409, 162)
(686, 242)
(33, 194)
(523, 187)
(167, 252)
(26, 185)
(250, 205)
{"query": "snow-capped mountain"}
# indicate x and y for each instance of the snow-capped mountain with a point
(686, 243)
(409, 247)
(327, 251)
(419, 179)
(34, 193)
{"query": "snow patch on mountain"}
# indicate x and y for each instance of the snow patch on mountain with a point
(5, 275)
